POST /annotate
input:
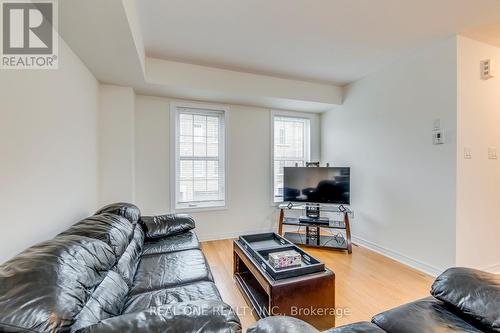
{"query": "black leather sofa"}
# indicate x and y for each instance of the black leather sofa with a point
(115, 272)
(463, 300)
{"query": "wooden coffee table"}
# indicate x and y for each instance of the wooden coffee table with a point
(310, 297)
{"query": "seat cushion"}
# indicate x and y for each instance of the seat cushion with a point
(164, 270)
(184, 241)
(471, 292)
(281, 324)
(361, 327)
(203, 290)
(185, 317)
(427, 315)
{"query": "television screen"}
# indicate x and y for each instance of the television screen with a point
(330, 185)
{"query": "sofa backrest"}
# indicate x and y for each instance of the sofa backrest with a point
(127, 210)
(128, 262)
(116, 225)
(114, 230)
(105, 302)
(75, 280)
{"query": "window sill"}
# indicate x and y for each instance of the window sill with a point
(200, 209)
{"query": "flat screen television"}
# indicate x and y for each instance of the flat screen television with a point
(328, 185)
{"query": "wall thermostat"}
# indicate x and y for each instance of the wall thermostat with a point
(437, 133)
(438, 138)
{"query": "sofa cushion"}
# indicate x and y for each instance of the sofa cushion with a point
(196, 291)
(426, 315)
(281, 324)
(167, 225)
(128, 262)
(185, 317)
(361, 327)
(45, 287)
(472, 292)
(114, 230)
(158, 271)
(123, 209)
(184, 241)
(105, 302)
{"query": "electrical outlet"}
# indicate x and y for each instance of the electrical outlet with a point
(468, 153)
(487, 71)
(492, 153)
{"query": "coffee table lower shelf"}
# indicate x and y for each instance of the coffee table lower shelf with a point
(253, 294)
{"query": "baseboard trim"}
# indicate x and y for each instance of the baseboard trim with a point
(234, 234)
(492, 269)
(405, 260)
(401, 258)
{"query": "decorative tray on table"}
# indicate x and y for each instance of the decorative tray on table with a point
(260, 246)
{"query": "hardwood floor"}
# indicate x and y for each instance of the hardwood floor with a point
(366, 282)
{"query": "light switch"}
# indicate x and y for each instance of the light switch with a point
(437, 125)
(492, 153)
(468, 152)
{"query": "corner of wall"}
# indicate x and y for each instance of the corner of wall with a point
(478, 180)
(116, 144)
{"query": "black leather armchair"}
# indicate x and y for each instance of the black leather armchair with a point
(463, 300)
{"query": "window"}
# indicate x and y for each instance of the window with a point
(291, 147)
(199, 169)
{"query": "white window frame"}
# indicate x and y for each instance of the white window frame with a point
(307, 142)
(174, 157)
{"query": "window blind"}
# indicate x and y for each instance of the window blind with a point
(290, 148)
(200, 172)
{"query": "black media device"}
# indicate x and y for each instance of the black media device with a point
(313, 215)
(317, 220)
(323, 185)
(312, 212)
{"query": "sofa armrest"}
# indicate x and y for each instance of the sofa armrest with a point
(188, 317)
(167, 225)
(281, 324)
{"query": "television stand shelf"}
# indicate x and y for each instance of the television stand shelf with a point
(313, 236)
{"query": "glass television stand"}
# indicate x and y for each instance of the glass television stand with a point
(335, 234)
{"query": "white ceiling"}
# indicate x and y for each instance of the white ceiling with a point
(334, 41)
(110, 44)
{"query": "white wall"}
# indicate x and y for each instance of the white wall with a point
(478, 179)
(152, 128)
(403, 187)
(48, 151)
(249, 168)
(116, 144)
